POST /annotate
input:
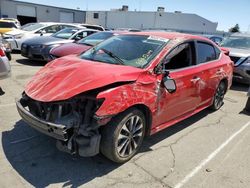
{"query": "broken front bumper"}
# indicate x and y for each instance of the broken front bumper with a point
(51, 129)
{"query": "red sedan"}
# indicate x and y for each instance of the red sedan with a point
(129, 86)
(82, 45)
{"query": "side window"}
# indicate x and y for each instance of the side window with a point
(205, 52)
(218, 52)
(180, 57)
(81, 35)
(96, 15)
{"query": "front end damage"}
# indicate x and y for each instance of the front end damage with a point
(72, 122)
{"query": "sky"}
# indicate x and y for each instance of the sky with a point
(226, 13)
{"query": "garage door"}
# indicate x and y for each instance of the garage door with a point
(24, 10)
(67, 17)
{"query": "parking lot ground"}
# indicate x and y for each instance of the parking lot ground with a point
(210, 149)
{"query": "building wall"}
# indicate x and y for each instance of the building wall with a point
(102, 20)
(152, 20)
(43, 13)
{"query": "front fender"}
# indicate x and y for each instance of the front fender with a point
(121, 98)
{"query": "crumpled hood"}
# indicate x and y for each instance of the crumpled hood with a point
(68, 49)
(68, 76)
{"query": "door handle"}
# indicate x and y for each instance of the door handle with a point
(195, 79)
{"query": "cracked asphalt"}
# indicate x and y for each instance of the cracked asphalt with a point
(30, 159)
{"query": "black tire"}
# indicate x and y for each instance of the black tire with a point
(122, 149)
(219, 96)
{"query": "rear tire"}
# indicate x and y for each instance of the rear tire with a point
(123, 136)
(219, 96)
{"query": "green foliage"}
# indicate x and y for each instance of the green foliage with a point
(235, 29)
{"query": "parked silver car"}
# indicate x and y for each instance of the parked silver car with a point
(239, 47)
(38, 48)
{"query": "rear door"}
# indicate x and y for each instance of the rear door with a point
(211, 70)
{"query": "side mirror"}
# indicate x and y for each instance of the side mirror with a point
(169, 84)
(160, 70)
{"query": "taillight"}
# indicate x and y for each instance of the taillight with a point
(2, 53)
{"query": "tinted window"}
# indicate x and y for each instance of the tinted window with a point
(205, 52)
(180, 57)
(7, 25)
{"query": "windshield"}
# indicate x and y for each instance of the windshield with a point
(26, 25)
(236, 42)
(96, 38)
(132, 50)
(7, 25)
(32, 27)
(65, 33)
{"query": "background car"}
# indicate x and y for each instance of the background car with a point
(17, 36)
(38, 48)
(4, 64)
(216, 39)
(96, 27)
(6, 26)
(13, 20)
(124, 88)
(239, 52)
(81, 45)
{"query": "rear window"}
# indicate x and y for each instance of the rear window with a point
(206, 52)
(7, 25)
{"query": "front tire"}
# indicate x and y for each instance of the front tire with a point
(219, 96)
(123, 136)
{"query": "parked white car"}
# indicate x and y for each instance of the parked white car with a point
(4, 64)
(17, 36)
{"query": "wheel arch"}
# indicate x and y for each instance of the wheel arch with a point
(148, 116)
(225, 80)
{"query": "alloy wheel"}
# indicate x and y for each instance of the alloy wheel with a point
(130, 136)
(219, 96)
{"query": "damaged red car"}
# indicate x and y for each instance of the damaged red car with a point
(110, 97)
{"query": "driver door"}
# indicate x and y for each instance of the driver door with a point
(181, 64)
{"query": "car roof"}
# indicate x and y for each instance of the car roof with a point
(57, 23)
(241, 35)
(171, 35)
(11, 21)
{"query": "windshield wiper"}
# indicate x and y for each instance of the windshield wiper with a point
(119, 60)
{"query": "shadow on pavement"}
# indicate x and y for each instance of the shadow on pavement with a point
(239, 87)
(31, 62)
(35, 157)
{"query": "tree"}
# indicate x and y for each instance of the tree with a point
(235, 29)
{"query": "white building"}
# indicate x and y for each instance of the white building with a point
(119, 18)
(151, 20)
(31, 12)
